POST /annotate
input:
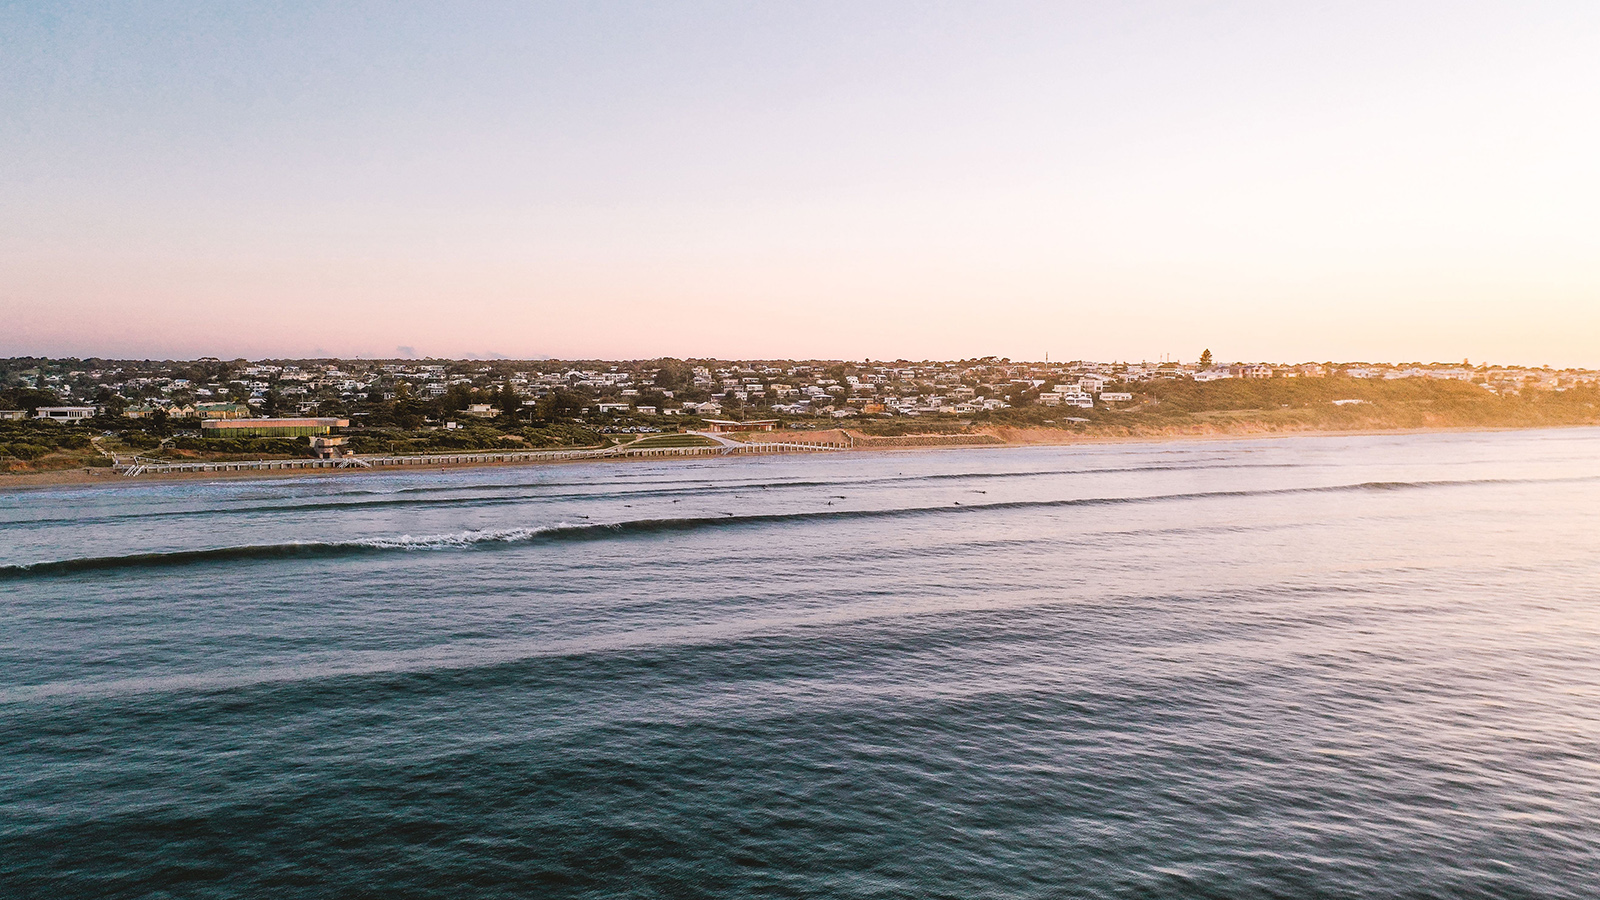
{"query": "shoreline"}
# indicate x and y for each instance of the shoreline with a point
(1021, 438)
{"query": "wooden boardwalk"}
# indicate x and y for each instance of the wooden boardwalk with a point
(140, 465)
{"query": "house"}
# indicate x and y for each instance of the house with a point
(1115, 397)
(721, 426)
(481, 410)
(172, 412)
(64, 413)
(221, 411)
(12, 414)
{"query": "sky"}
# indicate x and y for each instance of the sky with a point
(1382, 181)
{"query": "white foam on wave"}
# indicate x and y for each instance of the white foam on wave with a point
(461, 538)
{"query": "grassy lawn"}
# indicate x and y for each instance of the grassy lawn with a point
(675, 440)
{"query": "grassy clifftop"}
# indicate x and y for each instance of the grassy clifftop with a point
(1240, 406)
(1324, 404)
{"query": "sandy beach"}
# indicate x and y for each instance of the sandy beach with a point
(987, 438)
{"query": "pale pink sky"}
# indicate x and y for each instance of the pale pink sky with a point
(1106, 180)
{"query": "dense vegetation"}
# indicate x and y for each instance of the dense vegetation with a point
(33, 444)
(1300, 404)
(472, 437)
(1160, 407)
(1276, 404)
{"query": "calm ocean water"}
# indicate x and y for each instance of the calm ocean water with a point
(1319, 667)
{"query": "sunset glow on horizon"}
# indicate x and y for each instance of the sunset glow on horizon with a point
(892, 180)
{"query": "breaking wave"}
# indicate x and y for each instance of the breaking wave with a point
(467, 540)
(497, 494)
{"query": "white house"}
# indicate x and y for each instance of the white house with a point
(64, 413)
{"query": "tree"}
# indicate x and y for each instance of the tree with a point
(510, 403)
(674, 375)
(111, 402)
(408, 414)
(557, 405)
(456, 398)
(1205, 358)
(30, 399)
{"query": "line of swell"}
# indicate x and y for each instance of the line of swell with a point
(293, 550)
(638, 527)
(467, 657)
(669, 489)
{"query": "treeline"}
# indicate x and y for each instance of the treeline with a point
(410, 413)
(472, 437)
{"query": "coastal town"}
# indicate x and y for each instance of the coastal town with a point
(651, 390)
(209, 408)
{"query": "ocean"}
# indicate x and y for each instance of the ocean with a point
(1311, 667)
